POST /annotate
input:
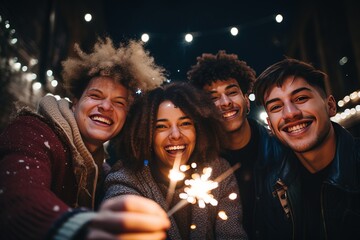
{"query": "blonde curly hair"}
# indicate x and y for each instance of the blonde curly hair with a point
(129, 65)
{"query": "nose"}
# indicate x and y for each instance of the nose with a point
(175, 133)
(225, 101)
(291, 111)
(105, 105)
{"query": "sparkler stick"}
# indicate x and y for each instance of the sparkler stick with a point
(174, 176)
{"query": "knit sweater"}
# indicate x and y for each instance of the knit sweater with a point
(208, 225)
(45, 173)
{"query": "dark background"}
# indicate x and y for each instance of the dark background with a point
(319, 32)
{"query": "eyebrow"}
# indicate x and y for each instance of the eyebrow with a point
(226, 88)
(292, 93)
(99, 91)
(165, 119)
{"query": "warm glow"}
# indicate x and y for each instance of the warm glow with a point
(145, 37)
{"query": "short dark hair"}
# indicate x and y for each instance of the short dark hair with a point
(222, 66)
(278, 72)
(136, 141)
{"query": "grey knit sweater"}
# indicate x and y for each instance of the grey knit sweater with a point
(208, 225)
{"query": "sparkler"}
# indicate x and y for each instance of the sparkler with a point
(199, 189)
(174, 175)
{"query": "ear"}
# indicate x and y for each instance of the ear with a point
(331, 104)
(270, 126)
(74, 103)
(247, 102)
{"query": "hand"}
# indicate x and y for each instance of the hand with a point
(129, 217)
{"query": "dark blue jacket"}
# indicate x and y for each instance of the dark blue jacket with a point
(279, 209)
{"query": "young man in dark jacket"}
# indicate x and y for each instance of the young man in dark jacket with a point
(315, 192)
(229, 81)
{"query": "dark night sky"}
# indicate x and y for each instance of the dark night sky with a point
(261, 41)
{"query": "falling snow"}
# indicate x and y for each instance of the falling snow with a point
(21, 161)
(47, 144)
(56, 208)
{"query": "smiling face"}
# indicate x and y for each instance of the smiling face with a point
(230, 101)
(175, 135)
(299, 115)
(101, 111)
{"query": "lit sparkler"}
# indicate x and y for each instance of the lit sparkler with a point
(199, 189)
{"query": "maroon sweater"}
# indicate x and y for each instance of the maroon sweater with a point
(37, 180)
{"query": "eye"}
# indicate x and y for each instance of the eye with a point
(160, 127)
(274, 108)
(301, 99)
(95, 96)
(121, 104)
(186, 123)
(214, 98)
(232, 93)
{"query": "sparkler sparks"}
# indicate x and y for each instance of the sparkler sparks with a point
(199, 189)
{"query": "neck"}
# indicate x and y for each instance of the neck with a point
(240, 137)
(321, 156)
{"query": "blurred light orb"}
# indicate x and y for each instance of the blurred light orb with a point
(234, 31)
(189, 37)
(145, 37)
(54, 83)
(36, 86)
(279, 18)
(252, 97)
(88, 17)
(343, 61)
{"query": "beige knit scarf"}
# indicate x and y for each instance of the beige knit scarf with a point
(85, 169)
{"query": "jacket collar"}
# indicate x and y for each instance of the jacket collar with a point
(344, 171)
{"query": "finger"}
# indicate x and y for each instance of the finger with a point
(143, 236)
(95, 234)
(119, 222)
(133, 203)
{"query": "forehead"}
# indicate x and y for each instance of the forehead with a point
(168, 110)
(221, 84)
(288, 87)
(104, 83)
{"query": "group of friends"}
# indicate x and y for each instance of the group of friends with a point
(297, 179)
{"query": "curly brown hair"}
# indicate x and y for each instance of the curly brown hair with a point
(129, 65)
(136, 142)
(222, 66)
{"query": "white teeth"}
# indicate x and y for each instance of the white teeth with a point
(101, 119)
(296, 128)
(229, 114)
(173, 148)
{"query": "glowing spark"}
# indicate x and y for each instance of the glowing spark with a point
(199, 189)
(233, 196)
(222, 215)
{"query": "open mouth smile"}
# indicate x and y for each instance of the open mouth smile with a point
(175, 148)
(297, 128)
(230, 114)
(101, 119)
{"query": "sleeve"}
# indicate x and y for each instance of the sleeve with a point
(121, 182)
(229, 220)
(29, 207)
